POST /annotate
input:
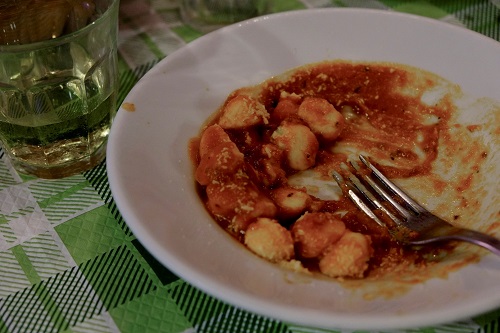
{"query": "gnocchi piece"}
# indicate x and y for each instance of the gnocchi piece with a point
(348, 257)
(220, 158)
(271, 170)
(298, 143)
(212, 136)
(243, 111)
(222, 162)
(270, 240)
(314, 232)
(291, 202)
(287, 106)
(322, 118)
(238, 202)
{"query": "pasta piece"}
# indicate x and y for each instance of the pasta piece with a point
(212, 136)
(220, 158)
(322, 118)
(238, 202)
(287, 106)
(270, 240)
(299, 144)
(291, 202)
(348, 257)
(314, 232)
(222, 162)
(243, 111)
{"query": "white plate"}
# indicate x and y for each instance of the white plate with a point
(151, 175)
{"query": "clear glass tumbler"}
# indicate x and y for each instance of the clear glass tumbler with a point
(58, 96)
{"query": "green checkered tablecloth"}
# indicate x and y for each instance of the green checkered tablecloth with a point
(68, 261)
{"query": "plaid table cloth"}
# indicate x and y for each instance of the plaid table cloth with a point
(68, 261)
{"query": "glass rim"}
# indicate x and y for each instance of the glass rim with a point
(17, 48)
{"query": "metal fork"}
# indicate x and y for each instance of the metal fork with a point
(407, 221)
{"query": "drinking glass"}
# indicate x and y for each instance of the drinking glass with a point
(58, 95)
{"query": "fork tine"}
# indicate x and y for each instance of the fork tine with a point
(368, 194)
(380, 191)
(348, 189)
(417, 209)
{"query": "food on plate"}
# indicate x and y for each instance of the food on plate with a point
(298, 143)
(314, 232)
(264, 160)
(348, 256)
(269, 239)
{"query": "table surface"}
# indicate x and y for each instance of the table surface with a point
(69, 263)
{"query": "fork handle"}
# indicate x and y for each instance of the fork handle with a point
(489, 242)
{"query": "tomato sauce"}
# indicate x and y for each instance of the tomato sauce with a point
(386, 118)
